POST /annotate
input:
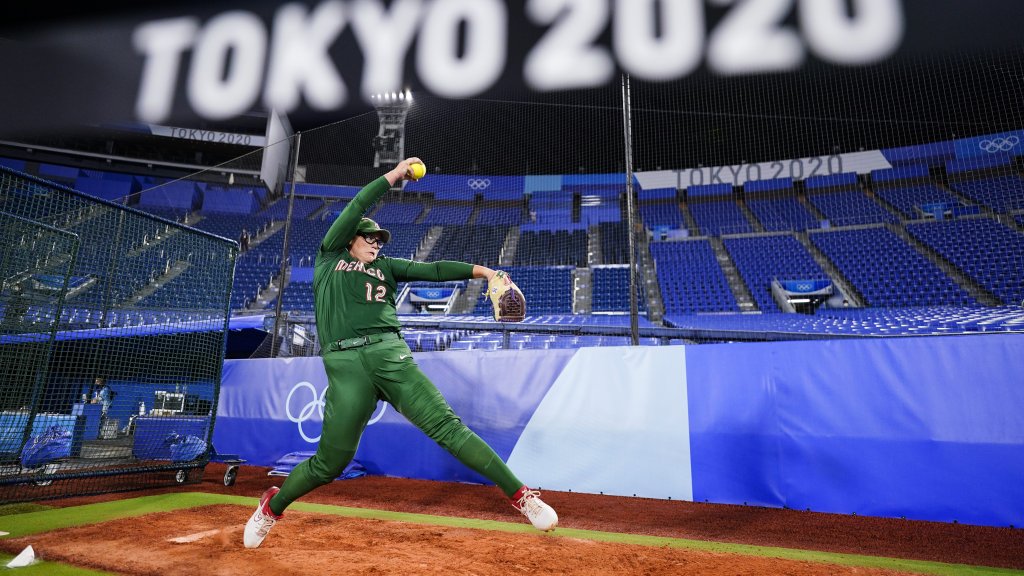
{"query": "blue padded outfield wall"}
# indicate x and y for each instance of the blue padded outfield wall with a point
(927, 428)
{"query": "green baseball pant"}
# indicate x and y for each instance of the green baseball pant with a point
(357, 379)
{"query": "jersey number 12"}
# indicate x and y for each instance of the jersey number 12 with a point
(379, 296)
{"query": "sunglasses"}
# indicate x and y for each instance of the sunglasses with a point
(375, 239)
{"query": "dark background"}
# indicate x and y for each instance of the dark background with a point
(958, 73)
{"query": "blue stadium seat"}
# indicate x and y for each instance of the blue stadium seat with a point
(1001, 193)
(614, 242)
(448, 214)
(398, 213)
(760, 259)
(664, 213)
(552, 248)
(476, 244)
(786, 213)
(548, 289)
(987, 251)
(910, 199)
(611, 290)
(690, 278)
(849, 208)
(717, 217)
(887, 271)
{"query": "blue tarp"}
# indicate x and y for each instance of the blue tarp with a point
(927, 428)
(44, 448)
(288, 462)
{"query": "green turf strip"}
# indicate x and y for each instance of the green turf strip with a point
(48, 569)
(45, 520)
(21, 508)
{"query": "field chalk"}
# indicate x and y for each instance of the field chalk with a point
(193, 537)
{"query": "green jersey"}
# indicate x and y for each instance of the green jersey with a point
(355, 299)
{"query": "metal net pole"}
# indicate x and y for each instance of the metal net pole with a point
(627, 132)
(284, 248)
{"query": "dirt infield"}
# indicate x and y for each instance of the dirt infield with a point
(209, 543)
(315, 543)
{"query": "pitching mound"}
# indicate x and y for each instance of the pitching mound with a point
(208, 540)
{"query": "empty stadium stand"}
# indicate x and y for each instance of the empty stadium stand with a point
(986, 250)
(611, 290)
(718, 217)
(297, 296)
(552, 248)
(856, 322)
(405, 240)
(924, 247)
(918, 201)
(549, 287)
(761, 259)
(448, 214)
(398, 212)
(500, 215)
(691, 279)
(782, 214)
(887, 271)
(470, 243)
(664, 213)
(850, 208)
(614, 242)
(1000, 193)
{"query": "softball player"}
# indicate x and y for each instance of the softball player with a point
(367, 360)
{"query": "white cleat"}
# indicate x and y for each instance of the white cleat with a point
(542, 516)
(261, 521)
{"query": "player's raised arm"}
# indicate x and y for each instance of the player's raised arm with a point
(344, 227)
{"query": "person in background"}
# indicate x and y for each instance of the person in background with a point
(102, 394)
(243, 240)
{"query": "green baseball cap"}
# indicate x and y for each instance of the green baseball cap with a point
(367, 226)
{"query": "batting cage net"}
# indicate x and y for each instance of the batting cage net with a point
(112, 343)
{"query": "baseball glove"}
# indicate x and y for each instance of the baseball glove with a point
(508, 300)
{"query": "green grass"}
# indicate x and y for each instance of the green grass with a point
(35, 521)
(21, 508)
(54, 519)
(48, 569)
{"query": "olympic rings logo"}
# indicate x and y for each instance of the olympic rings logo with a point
(478, 183)
(315, 406)
(999, 144)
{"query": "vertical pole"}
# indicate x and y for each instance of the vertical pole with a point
(627, 132)
(284, 250)
(115, 256)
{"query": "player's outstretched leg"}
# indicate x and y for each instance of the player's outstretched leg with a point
(542, 516)
(262, 520)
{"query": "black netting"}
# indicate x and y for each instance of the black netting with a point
(112, 343)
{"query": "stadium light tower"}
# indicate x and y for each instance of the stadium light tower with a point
(389, 144)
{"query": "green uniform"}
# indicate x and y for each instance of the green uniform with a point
(356, 300)
(367, 360)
